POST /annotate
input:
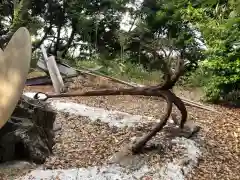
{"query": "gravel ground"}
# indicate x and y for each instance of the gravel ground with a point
(85, 141)
(80, 137)
(220, 132)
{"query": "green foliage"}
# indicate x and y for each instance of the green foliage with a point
(124, 70)
(161, 30)
(197, 78)
(87, 64)
(219, 25)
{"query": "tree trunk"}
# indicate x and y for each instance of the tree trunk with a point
(20, 16)
(28, 134)
(70, 40)
(37, 44)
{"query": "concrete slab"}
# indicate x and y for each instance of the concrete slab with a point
(176, 169)
(69, 174)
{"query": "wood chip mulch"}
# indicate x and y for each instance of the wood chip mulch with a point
(82, 143)
(220, 133)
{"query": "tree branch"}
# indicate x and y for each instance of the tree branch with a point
(39, 43)
(71, 38)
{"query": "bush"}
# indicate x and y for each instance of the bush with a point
(197, 78)
(124, 70)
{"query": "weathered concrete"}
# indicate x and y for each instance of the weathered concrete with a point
(174, 170)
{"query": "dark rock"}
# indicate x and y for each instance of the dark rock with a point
(28, 134)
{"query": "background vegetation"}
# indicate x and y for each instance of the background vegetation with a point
(205, 33)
